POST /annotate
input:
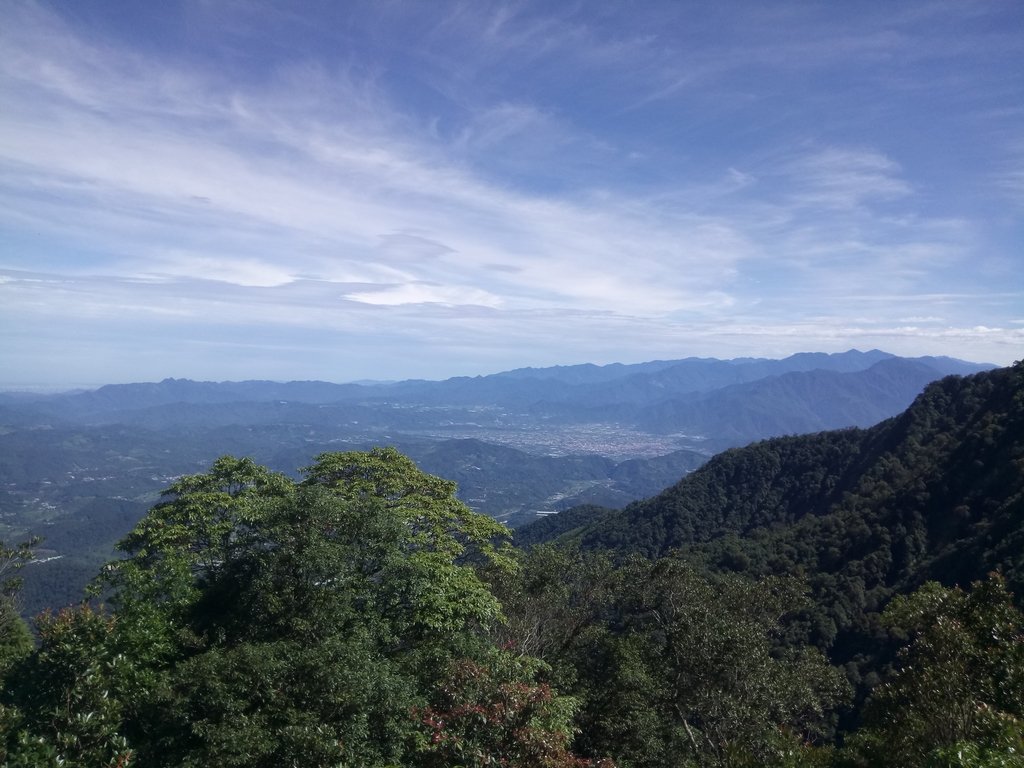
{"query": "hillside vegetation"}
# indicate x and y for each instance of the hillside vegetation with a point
(842, 599)
(936, 493)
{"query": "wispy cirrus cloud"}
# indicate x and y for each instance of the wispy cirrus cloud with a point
(844, 178)
(318, 181)
(537, 185)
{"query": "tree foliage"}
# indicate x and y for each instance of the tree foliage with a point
(262, 621)
(672, 666)
(958, 690)
(495, 712)
(15, 640)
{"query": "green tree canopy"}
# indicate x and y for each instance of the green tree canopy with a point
(957, 695)
(262, 621)
(15, 640)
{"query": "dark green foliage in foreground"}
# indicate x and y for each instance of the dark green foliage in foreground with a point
(363, 616)
(15, 640)
(959, 686)
(265, 622)
(674, 667)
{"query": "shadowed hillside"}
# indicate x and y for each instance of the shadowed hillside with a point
(936, 493)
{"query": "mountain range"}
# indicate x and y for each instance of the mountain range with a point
(80, 467)
(725, 401)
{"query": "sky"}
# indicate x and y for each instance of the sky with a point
(225, 190)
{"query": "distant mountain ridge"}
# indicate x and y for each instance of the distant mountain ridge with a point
(730, 400)
(796, 402)
(79, 467)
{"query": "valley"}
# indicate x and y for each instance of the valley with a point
(78, 469)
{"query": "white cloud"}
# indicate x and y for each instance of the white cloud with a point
(328, 188)
(844, 178)
(315, 193)
(241, 271)
(425, 293)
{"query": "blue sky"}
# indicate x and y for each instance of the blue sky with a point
(218, 189)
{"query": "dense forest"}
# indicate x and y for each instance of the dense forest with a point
(840, 599)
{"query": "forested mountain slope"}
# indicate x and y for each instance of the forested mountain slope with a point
(935, 493)
(795, 402)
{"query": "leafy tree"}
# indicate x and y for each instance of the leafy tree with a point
(15, 640)
(430, 588)
(206, 523)
(494, 712)
(671, 666)
(15, 645)
(957, 696)
(67, 698)
(554, 600)
(695, 673)
(264, 622)
(320, 641)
